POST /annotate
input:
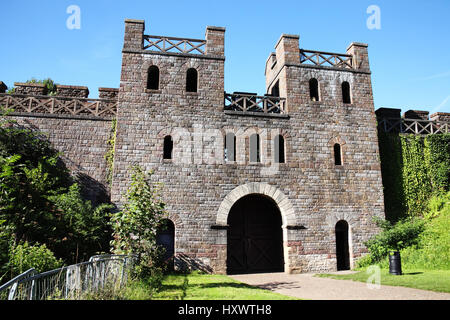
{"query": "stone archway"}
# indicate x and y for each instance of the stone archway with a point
(283, 203)
(280, 201)
(254, 236)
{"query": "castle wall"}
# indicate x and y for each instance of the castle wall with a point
(83, 144)
(197, 181)
(312, 192)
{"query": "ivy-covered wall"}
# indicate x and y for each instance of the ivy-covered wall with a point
(413, 169)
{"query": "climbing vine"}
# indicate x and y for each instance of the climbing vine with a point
(414, 168)
(109, 156)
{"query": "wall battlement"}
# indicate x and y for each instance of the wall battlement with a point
(136, 40)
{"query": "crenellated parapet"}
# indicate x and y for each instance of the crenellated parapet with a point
(412, 121)
(32, 99)
(135, 40)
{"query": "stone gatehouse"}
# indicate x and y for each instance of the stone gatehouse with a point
(284, 181)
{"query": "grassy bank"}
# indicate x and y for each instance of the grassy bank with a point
(434, 280)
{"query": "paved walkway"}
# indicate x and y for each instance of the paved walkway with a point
(307, 286)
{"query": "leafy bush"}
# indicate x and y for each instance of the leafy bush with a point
(49, 84)
(135, 227)
(25, 256)
(84, 230)
(403, 234)
(6, 241)
(435, 205)
(39, 201)
(31, 172)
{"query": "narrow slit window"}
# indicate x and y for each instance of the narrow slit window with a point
(230, 147)
(314, 89)
(279, 149)
(191, 80)
(346, 92)
(153, 78)
(254, 148)
(168, 147)
(337, 155)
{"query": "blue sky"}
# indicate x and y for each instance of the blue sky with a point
(409, 55)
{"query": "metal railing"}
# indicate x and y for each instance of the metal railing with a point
(69, 282)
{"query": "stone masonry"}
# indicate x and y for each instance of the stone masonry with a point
(309, 189)
(202, 181)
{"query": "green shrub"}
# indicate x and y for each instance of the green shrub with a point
(84, 229)
(40, 203)
(395, 237)
(38, 256)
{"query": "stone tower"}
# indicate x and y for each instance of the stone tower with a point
(287, 181)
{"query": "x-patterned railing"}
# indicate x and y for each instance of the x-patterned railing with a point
(59, 105)
(174, 45)
(413, 126)
(69, 282)
(253, 103)
(327, 59)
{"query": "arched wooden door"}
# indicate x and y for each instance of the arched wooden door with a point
(255, 238)
(342, 247)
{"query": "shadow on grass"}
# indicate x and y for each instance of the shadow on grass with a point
(183, 287)
(410, 273)
(180, 288)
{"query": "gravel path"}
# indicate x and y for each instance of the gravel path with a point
(307, 286)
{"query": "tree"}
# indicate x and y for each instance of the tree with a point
(135, 226)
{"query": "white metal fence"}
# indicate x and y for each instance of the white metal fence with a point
(69, 282)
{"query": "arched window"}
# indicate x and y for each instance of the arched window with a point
(168, 147)
(314, 89)
(230, 147)
(254, 148)
(153, 78)
(191, 80)
(346, 92)
(337, 154)
(279, 149)
(275, 90)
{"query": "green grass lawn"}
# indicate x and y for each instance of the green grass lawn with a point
(434, 280)
(196, 286)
